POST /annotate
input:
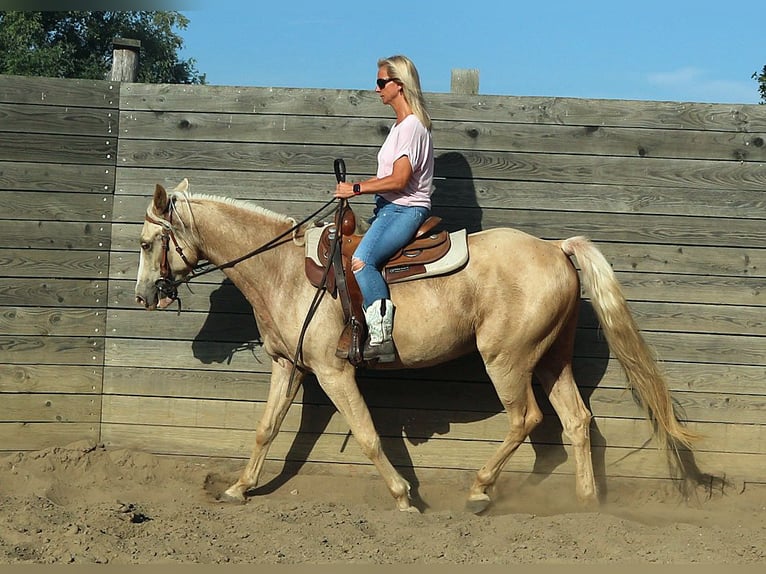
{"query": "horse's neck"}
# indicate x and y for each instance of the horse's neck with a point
(226, 233)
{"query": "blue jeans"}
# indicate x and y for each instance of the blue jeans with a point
(392, 227)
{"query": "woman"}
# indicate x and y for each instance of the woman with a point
(402, 186)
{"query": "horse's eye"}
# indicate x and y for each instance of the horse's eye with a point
(145, 246)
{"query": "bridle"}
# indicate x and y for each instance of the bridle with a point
(166, 285)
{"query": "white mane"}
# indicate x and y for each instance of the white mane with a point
(188, 197)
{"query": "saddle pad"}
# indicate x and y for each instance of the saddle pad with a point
(456, 257)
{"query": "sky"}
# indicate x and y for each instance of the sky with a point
(696, 51)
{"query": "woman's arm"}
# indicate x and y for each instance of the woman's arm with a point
(397, 181)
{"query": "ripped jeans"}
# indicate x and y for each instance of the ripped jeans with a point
(392, 227)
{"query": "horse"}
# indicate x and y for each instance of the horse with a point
(515, 302)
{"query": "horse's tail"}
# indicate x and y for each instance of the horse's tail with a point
(645, 379)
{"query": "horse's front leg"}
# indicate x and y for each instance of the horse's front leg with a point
(343, 391)
(277, 406)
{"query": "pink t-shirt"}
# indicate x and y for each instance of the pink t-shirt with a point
(410, 138)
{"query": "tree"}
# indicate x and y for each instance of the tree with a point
(79, 45)
(760, 77)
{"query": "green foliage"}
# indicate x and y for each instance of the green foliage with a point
(79, 45)
(760, 77)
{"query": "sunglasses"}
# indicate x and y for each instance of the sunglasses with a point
(383, 82)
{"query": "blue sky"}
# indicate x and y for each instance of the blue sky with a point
(699, 51)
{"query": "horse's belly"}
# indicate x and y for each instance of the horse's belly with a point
(431, 340)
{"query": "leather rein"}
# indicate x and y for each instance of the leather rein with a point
(168, 287)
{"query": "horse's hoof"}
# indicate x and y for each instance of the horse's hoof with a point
(229, 498)
(589, 504)
(477, 505)
(410, 509)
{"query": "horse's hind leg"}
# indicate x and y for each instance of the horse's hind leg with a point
(277, 405)
(556, 378)
(514, 388)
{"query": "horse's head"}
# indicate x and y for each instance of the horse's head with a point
(161, 267)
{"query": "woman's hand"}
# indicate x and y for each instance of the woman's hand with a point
(344, 190)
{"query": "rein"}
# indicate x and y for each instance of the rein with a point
(168, 286)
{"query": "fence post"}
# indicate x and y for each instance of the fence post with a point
(465, 82)
(124, 60)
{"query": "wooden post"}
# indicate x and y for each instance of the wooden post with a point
(465, 82)
(124, 60)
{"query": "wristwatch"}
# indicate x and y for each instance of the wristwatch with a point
(357, 188)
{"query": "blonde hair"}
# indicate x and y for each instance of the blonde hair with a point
(403, 71)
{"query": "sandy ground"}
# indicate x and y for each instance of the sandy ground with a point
(88, 504)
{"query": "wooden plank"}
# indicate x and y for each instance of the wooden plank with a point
(289, 189)
(366, 103)
(50, 350)
(46, 119)
(604, 401)
(165, 353)
(653, 287)
(54, 263)
(56, 321)
(516, 165)
(87, 293)
(454, 191)
(744, 261)
(676, 232)
(27, 176)
(693, 288)
(50, 408)
(58, 206)
(239, 329)
(250, 385)
(55, 235)
(441, 454)
(226, 316)
(58, 92)
(683, 317)
(203, 296)
(452, 135)
(617, 227)
(455, 186)
(669, 347)
(50, 379)
(416, 426)
(686, 347)
(37, 436)
(714, 377)
(45, 148)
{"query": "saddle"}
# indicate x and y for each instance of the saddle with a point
(429, 253)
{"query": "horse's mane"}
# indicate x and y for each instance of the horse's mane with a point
(188, 197)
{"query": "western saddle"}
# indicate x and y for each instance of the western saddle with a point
(329, 250)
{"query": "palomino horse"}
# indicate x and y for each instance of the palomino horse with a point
(515, 302)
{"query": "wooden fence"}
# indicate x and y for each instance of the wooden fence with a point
(673, 193)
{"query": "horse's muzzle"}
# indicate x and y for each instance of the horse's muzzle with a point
(156, 303)
(145, 302)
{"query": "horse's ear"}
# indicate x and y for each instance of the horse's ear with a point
(183, 187)
(160, 199)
